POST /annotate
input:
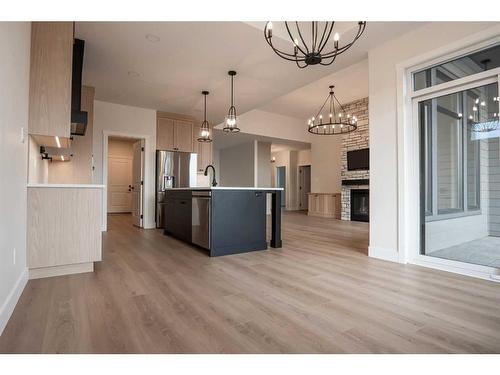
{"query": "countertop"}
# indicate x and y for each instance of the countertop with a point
(74, 186)
(226, 188)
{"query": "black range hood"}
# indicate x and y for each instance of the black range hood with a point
(78, 117)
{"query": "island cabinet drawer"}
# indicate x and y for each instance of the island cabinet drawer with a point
(178, 216)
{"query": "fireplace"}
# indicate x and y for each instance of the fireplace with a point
(360, 204)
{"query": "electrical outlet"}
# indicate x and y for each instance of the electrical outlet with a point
(14, 256)
(23, 134)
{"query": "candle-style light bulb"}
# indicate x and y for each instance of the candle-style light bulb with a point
(336, 38)
(269, 29)
(295, 46)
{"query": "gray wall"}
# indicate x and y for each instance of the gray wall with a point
(264, 164)
(236, 165)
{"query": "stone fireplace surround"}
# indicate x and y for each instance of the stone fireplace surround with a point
(356, 140)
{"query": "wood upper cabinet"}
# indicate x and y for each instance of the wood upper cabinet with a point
(175, 135)
(50, 78)
(164, 134)
(183, 136)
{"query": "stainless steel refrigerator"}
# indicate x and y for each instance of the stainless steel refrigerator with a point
(174, 169)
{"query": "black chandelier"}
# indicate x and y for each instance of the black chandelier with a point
(205, 126)
(315, 53)
(231, 122)
(337, 120)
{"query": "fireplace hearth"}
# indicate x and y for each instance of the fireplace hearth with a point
(360, 205)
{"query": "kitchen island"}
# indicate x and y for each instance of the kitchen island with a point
(223, 220)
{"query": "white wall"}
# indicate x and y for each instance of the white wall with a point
(271, 124)
(326, 164)
(38, 169)
(383, 101)
(263, 170)
(236, 165)
(14, 78)
(117, 119)
(304, 157)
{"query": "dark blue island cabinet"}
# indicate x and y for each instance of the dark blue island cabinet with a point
(223, 220)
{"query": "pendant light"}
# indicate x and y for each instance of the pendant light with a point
(205, 126)
(231, 123)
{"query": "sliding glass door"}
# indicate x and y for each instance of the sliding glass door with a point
(460, 175)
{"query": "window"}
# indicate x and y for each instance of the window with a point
(461, 67)
(452, 134)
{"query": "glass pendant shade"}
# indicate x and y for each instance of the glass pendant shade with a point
(205, 126)
(231, 121)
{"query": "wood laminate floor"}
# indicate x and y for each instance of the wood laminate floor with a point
(320, 293)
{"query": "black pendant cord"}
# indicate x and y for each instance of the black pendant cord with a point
(232, 91)
(205, 116)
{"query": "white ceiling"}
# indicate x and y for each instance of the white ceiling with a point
(192, 56)
(350, 84)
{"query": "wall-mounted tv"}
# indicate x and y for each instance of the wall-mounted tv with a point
(358, 160)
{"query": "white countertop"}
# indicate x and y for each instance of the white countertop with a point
(76, 186)
(226, 188)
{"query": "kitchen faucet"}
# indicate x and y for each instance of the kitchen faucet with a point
(214, 181)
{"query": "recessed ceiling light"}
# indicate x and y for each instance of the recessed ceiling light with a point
(152, 38)
(133, 74)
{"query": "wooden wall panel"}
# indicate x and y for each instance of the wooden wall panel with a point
(64, 226)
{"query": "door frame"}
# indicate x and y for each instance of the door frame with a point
(145, 168)
(409, 150)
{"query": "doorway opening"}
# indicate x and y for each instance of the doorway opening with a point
(281, 183)
(125, 178)
(304, 186)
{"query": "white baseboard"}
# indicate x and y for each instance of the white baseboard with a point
(383, 253)
(10, 303)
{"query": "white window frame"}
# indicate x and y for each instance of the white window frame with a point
(409, 150)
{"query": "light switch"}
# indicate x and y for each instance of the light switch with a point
(23, 134)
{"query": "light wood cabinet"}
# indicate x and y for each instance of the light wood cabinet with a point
(63, 227)
(183, 136)
(50, 79)
(175, 135)
(324, 205)
(164, 134)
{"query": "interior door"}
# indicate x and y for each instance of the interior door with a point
(304, 185)
(137, 183)
(119, 184)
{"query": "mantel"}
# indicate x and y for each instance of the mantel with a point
(355, 182)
